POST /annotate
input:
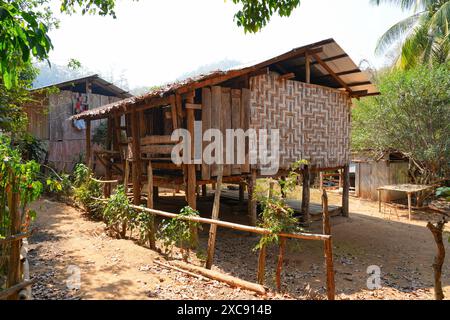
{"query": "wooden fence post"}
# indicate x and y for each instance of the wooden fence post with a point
(328, 248)
(280, 262)
(215, 216)
(261, 264)
(252, 210)
(346, 191)
(150, 205)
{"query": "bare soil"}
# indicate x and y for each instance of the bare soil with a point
(67, 241)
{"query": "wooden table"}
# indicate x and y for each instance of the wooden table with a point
(409, 189)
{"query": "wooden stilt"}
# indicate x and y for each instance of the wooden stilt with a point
(306, 194)
(191, 174)
(215, 216)
(151, 236)
(126, 175)
(88, 145)
(241, 192)
(136, 169)
(346, 191)
(282, 247)
(328, 248)
(261, 265)
(409, 205)
(251, 183)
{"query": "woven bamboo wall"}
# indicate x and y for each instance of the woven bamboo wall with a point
(314, 121)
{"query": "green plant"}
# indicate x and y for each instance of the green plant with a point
(19, 186)
(118, 214)
(87, 191)
(276, 215)
(145, 224)
(100, 134)
(443, 192)
(178, 232)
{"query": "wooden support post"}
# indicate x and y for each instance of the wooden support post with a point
(340, 178)
(251, 184)
(136, 169)
(379, 200)
(346, 191)
(14, 252)
(261, 265)
(306, 194)
(308, 68)
(88, 144)
(151, 236)
(191, 175)
(215, 216)
(155, 194)
(320, 180)
(108, 167)
(328, 248)
(204, 191)
(241, 192)
(409, 206)
(126, 175)
(280, 262)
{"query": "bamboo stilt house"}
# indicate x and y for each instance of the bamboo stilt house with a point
(305, 93)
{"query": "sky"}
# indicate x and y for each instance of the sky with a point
(153, 42)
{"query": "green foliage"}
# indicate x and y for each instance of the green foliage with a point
(86, 190)
(31, 147)
(177, 231)
(118, 214)
(100, 134)
(255, 14)
(144, 222)
(276, 215)
(24, 33)
(412, 115)
(424, 36)
(443, 192)
(16, 176)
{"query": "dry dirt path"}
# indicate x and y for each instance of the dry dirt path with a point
(67, 244)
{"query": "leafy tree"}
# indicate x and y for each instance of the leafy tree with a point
(412, 115)
(424, 36)
(24, 26)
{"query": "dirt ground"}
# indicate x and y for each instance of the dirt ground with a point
(69, 246)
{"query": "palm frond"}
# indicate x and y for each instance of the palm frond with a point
(440, 19)
(407, 4)
(396, 32)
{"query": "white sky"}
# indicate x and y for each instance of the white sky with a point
(155, 41)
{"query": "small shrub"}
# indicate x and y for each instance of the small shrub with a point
(117, 214)
(86, 190)
(179, 232)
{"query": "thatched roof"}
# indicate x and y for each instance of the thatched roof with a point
(330, 67)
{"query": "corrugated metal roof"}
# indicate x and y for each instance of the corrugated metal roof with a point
(94, 79)
(344, 75)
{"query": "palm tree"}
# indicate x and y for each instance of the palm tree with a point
(423, 37)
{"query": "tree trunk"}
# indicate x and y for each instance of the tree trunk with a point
(436, 230)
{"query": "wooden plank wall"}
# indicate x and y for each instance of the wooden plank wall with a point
(225, 108)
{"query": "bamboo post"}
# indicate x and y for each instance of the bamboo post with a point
(191, 175)
(251, 183)
(136, 169)
(346, 191)
(126, 175)
(282, 247)
(306, 194)
(88, 144)
(241, 192)
(261, 265)
(14, 255)
(215, 216)
(328, 248)
(150, 205)
(409, 206)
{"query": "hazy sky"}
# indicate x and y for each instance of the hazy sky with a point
(155, 41)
